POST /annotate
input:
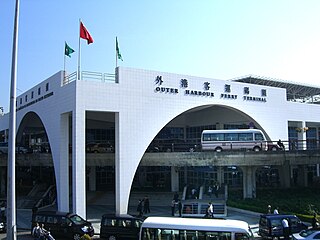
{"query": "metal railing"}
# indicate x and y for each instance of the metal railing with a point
(48, 198)
(291, 145)
(89, 76)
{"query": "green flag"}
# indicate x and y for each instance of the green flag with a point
(118, 51)
(68, 50)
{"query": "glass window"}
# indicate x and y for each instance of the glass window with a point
(258, 137)
(47, 87)
(39, 91)
(317, 236)
(231, 136)
(245, 137)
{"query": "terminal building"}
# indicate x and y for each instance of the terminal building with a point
(141, 129)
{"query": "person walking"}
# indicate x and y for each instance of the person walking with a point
(176, 196)
(173, 207)
(286, 229)
(45, 234)
(36, 231)
(180, 208)
(269, 209)
(146, 205)
(210, 210)
(139, 208)
(210, 191)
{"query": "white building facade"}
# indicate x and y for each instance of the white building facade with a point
(142, 102)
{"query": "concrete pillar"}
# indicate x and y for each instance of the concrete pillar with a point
(174, 179)
(92, 179)
(302, 175)
(285, 174)
(185, 169)
(121, 191)
(220, 177)
(78, 163)
(62, 166)
(249, 182)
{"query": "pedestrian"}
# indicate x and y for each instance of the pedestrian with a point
(45, 234)
(194, 193)
(36, 231)
(269, 209)
(173, 207)
(139, 208)
(216, 190)
(210, 210)
(315, 222)
(176, 196)
(146, 205)
(210, 191)
(286, 229)
(180, 208)
(276, 210)
(281, 145)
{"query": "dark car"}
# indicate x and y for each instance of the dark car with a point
(99, 148)
(62, 224)
(270, 225)
(120, 226)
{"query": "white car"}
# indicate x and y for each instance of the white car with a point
(307, 234)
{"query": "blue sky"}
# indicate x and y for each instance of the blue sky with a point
(210, 38)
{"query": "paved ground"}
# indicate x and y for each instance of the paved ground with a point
(96, 211)
(101, 203)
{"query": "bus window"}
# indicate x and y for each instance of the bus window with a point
(258, 137)
(231, 136)
(243, 137)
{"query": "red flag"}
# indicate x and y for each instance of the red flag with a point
(85, 34)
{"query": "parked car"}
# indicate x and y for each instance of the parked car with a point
(19, 149)
(120, 226)
(308, 234)
(270, 225)
(62, 224)
(99, 148)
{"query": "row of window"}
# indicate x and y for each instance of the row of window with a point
(32, 94)
(242, 137)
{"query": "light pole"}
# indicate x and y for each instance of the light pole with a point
(11, 175)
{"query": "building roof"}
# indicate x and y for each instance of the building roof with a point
(295, 91)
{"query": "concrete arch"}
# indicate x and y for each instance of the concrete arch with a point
(51, 123)
(33, 120)
(154, 130)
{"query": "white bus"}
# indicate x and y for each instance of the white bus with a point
(229, 139)
(171, 228)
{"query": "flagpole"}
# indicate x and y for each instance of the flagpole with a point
(116, 54)
(64, 63)
(79, 52)
(11, 175)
